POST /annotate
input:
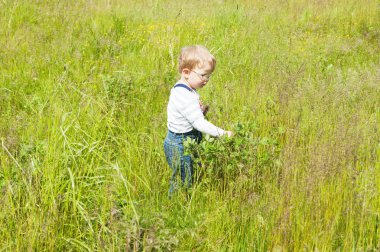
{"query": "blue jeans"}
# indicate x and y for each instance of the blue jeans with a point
(178, 162)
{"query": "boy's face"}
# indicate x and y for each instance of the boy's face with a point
(197, 78)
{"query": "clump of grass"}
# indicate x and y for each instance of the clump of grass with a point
(247, 154)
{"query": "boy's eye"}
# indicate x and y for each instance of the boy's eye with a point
(203, 76)
(206, 76)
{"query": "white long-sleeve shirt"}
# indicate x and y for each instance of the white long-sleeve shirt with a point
(185, 114)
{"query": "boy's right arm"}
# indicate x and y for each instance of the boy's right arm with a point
(193, 113)
(205, 126)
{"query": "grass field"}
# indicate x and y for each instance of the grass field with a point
(83, 92)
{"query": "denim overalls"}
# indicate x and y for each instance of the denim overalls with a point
(174, 152)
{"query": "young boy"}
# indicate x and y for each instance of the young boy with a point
(186, 112)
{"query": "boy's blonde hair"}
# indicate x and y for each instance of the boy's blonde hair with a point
(196, 56)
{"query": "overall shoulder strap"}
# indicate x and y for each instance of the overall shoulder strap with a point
(183, 86)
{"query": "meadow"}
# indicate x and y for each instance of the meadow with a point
(83, 92)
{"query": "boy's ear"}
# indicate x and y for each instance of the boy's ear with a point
(186, 72)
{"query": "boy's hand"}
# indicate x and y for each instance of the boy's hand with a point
(228, 133)
(204, 108)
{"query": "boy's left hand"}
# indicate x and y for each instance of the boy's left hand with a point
(204, 108)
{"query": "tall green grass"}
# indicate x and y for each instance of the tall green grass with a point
(83, 92)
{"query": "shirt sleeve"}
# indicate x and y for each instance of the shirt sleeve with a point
(193, 113)
(206, 127)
